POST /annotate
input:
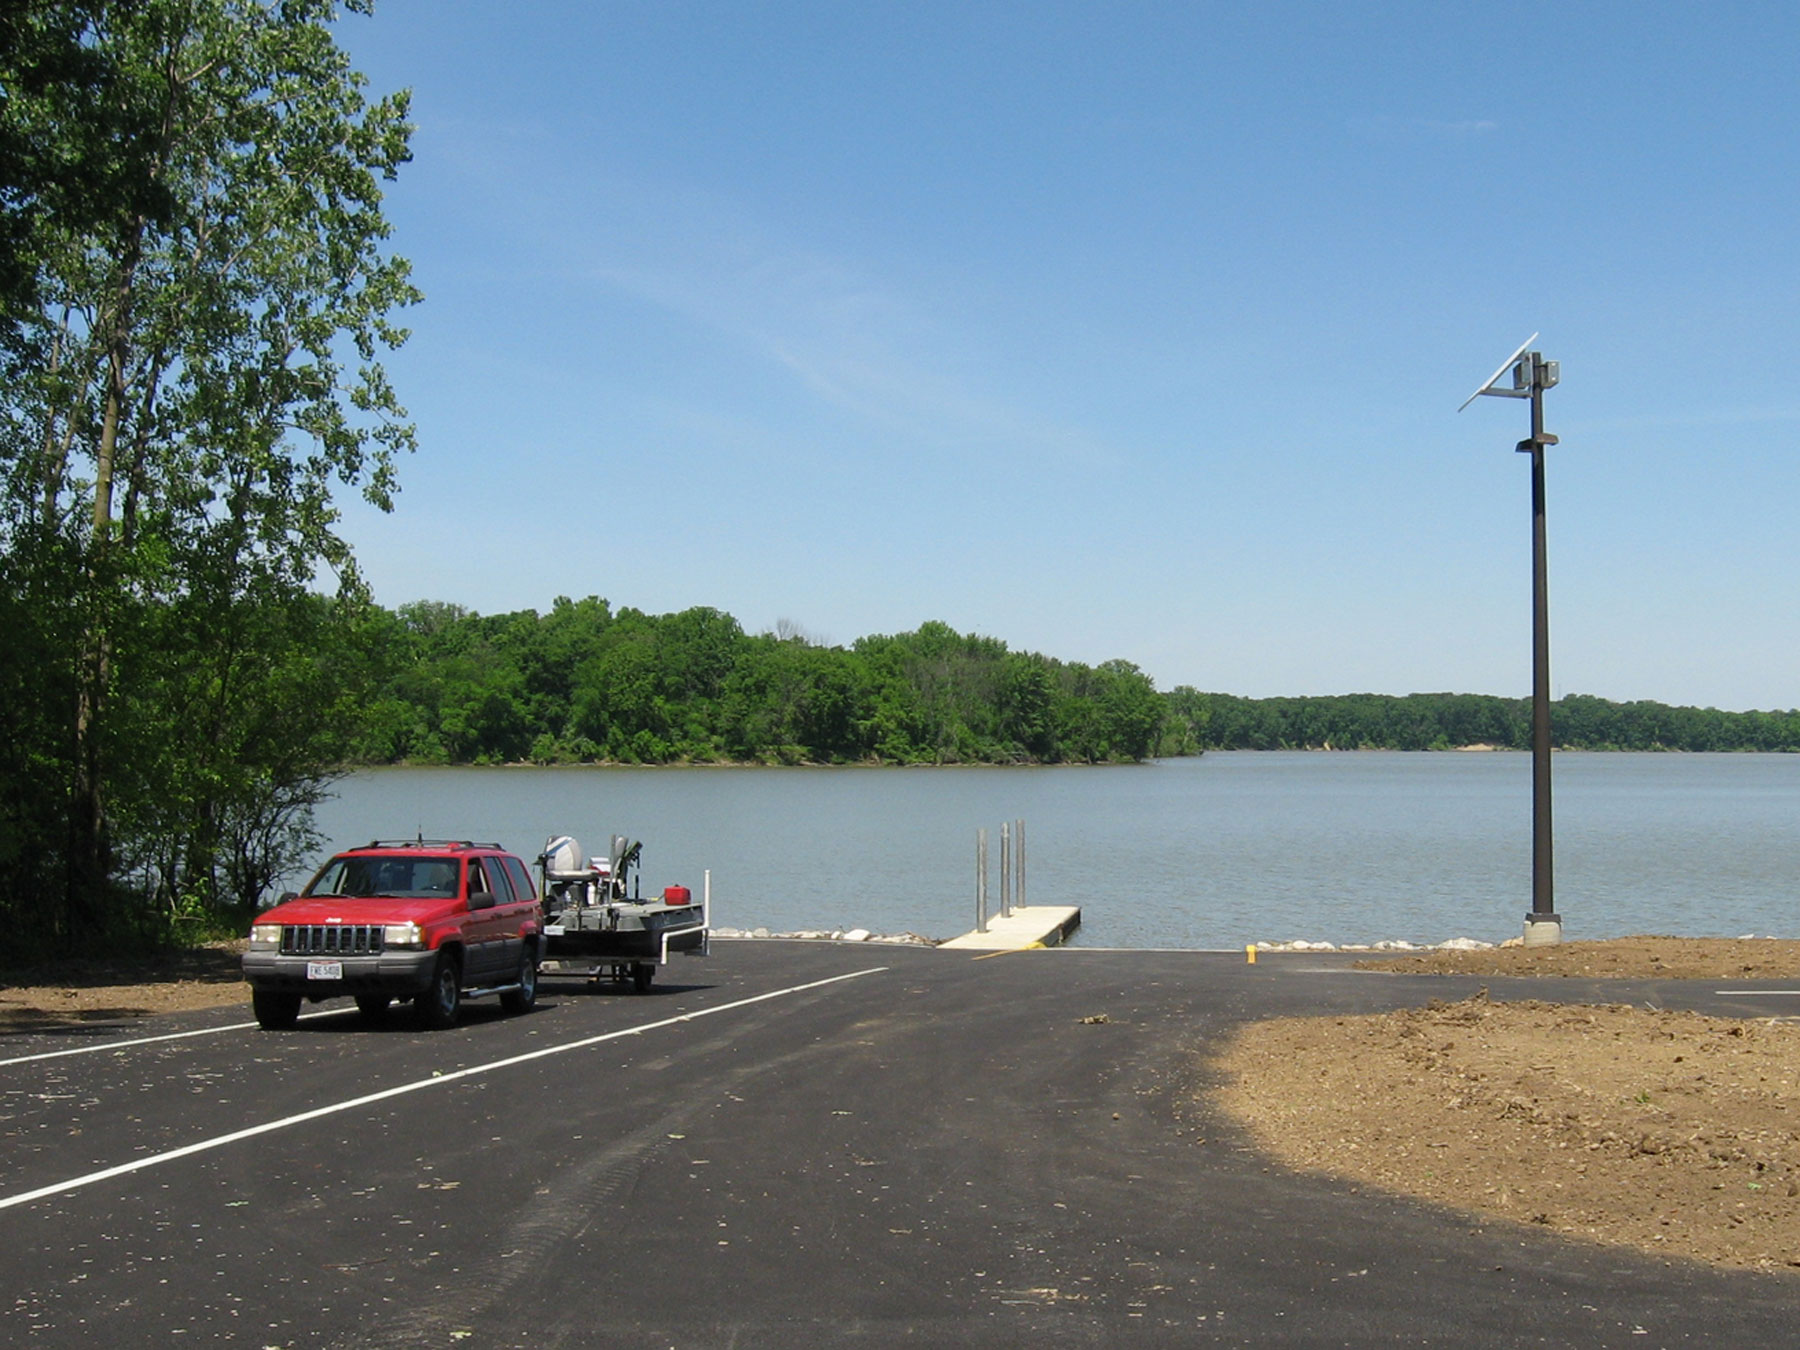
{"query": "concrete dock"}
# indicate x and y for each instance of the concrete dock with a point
(1027, 926)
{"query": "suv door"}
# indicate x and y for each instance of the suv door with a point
(485, 952)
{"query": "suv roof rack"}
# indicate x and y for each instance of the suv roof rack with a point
(427, 843)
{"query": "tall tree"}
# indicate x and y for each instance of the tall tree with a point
(197, 372)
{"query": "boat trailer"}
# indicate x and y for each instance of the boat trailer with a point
(598, 926)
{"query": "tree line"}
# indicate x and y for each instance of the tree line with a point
(1452, 721)
(583, 683)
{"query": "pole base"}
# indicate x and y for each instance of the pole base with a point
(1542, 930)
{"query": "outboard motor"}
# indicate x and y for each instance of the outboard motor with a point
(565, 874)
(625, 856)
(563, 860)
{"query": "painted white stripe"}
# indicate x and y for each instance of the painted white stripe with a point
(152, 1040)
(1755, 993)
(439, 1080)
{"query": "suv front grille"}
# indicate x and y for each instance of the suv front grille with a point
(331, 939)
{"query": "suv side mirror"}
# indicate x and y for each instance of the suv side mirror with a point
(481, 900)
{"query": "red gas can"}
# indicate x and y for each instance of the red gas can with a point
(676, 895)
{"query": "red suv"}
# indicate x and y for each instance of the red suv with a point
(431, 920)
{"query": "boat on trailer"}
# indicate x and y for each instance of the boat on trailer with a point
(597, 923)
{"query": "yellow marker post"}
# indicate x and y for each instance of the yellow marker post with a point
(1250, 952)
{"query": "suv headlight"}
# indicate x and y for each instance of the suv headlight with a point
(402, 935)
(265, 937)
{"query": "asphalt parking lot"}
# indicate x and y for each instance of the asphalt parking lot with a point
(782, 1143)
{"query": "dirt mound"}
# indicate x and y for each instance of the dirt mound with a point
(1667, 1131)
(1665, 958)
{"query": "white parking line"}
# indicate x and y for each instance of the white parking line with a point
(152, 1040)
(1755, 993)
(439, 1080)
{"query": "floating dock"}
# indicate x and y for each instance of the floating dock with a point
(1033, 926)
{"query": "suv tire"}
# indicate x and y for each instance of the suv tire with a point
(522, 999)
(439, 1005)
(275, 1011)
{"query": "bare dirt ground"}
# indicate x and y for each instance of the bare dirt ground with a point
(1667, 1131)
(1669, 958)
(110, 991)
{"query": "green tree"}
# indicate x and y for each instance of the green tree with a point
(1026, 711)
(789, 701)
(1187, 718)
(195, 375)
(215, 799)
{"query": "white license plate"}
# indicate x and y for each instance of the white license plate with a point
(324, 970)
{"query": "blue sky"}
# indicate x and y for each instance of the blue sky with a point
(1113, 330)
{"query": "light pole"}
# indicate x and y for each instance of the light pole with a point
(1531, 376)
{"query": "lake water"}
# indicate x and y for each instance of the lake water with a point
(1214, 852)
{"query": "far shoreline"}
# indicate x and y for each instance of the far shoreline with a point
(1477, 748)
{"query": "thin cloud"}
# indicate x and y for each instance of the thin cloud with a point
(844, 336)
(1386, 127)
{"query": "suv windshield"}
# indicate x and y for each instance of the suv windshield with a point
(411, 877)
